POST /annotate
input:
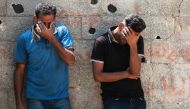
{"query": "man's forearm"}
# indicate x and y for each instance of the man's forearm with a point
(135, 64)
(18, 86)
(66, 55)
(110, 77)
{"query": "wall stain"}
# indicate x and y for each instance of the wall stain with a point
(92, 30)
(112, 8)
(94, 2)
(18, 8)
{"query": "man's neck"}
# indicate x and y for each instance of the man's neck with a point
(114, 33)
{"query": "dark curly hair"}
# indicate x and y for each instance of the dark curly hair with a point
(45, 9)
(135, 22)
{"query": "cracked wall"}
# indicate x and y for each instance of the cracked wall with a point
(165, 75)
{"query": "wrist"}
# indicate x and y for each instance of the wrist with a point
(126, 74)
(133, 48)
(50, 37)
(133, 45)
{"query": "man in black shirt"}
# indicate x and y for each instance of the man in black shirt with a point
(116, 62)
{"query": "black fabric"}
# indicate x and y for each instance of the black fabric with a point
(116, 58)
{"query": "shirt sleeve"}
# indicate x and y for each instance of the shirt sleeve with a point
(140, 46)
(67, 40)
(98, 51)
(20, 54)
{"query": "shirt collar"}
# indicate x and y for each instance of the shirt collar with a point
(110, 35)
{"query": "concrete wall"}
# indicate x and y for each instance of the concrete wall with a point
(165, 75)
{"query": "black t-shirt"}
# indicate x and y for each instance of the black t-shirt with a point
(116, 58)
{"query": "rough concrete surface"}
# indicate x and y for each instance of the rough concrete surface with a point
(165, 74)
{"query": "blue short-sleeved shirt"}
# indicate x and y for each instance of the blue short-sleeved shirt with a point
(46, 75)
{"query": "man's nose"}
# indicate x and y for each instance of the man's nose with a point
(47, 24)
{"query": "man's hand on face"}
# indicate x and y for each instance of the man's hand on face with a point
(130, 36)
(45, 32)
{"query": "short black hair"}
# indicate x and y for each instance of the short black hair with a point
(45, 9)
(135, 22)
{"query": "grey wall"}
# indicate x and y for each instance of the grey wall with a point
(165, 75)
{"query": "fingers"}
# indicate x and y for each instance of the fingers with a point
(133, 32)
(127, 31)
(123, 33)
(41, 25)
(52, 26)
(38, 28)
(134, 76)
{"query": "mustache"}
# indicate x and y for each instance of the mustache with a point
(47, 24)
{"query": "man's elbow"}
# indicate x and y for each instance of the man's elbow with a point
(97, 80)
(71, 62)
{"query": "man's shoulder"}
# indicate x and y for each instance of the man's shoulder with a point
(103, 38)
(25, 35)
(61, 28)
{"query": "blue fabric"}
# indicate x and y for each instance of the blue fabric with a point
(124, 103)
(49, 104)
(46, 75)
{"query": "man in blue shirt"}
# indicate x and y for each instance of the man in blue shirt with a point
(42, 56)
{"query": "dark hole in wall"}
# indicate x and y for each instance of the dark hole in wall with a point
(18, 8)
(158, 37)
(92, 30)
(94, 2)
(0, 22)
(112, 8)
(143, 60)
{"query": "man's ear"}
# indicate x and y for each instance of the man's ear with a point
(121, 26)
(55, 17)
(35, 19)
